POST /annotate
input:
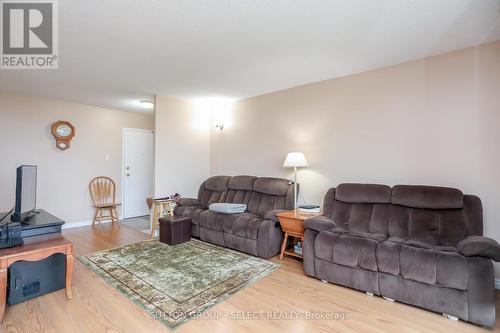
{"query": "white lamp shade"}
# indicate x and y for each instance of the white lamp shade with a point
(295, 159)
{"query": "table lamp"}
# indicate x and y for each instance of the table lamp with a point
(295, 160)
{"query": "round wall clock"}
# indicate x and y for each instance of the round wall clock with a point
(64, 132)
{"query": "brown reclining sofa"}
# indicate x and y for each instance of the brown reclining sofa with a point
(257, 231)
(419, 245)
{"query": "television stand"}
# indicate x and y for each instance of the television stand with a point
(10, 242)
(39, 224)
(35, 248)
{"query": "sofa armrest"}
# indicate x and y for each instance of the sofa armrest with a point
(319, 223)
(188, 202)
(271, 215)
(479, 246)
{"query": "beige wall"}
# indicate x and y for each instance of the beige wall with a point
(434, 121)
(182, 147)
(63, 176)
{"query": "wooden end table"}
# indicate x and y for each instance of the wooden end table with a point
(292, 224)
(161, 207)
(33, 249)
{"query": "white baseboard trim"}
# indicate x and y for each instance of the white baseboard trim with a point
(497, 283)
(79, 224)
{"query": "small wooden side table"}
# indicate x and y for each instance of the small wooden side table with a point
(33, 249)
(161, 208)
(292, 223)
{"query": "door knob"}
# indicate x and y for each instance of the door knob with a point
(127, 168)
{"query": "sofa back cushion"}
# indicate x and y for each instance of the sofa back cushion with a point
(360, 207)
(213, 190)
(427, 197)
(239, 189)
(259, 194)
(363, 193)
(269, 194)
(435, 215)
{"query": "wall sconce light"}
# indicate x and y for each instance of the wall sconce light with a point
(218, 109)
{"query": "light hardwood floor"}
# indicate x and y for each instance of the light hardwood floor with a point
(96, 307)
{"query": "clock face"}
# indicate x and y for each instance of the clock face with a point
(63, 130)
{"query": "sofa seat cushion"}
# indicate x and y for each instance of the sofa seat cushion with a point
(376, 237)
(244, 225)
(214, 220)
(417, 261)
(189, 211)
(423, 245)
(347, 249)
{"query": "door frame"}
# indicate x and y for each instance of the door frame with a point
(124, 130)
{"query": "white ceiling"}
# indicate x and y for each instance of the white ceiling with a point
(115, 52)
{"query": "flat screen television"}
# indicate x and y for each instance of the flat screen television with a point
(26, 180)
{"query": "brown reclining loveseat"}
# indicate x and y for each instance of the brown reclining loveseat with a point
(419, 245)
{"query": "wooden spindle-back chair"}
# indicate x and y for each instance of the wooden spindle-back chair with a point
(103, 193)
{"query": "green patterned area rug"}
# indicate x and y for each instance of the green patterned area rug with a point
(176, 283)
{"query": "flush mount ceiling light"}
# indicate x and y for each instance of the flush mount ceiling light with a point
(147, 104)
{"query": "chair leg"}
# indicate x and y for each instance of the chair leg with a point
(151, 216)
(153, 228)
(155, 220)
(95, 216)
(99, 217)
(116, 216)
(111, 216)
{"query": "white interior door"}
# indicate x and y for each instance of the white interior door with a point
(138, 171)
